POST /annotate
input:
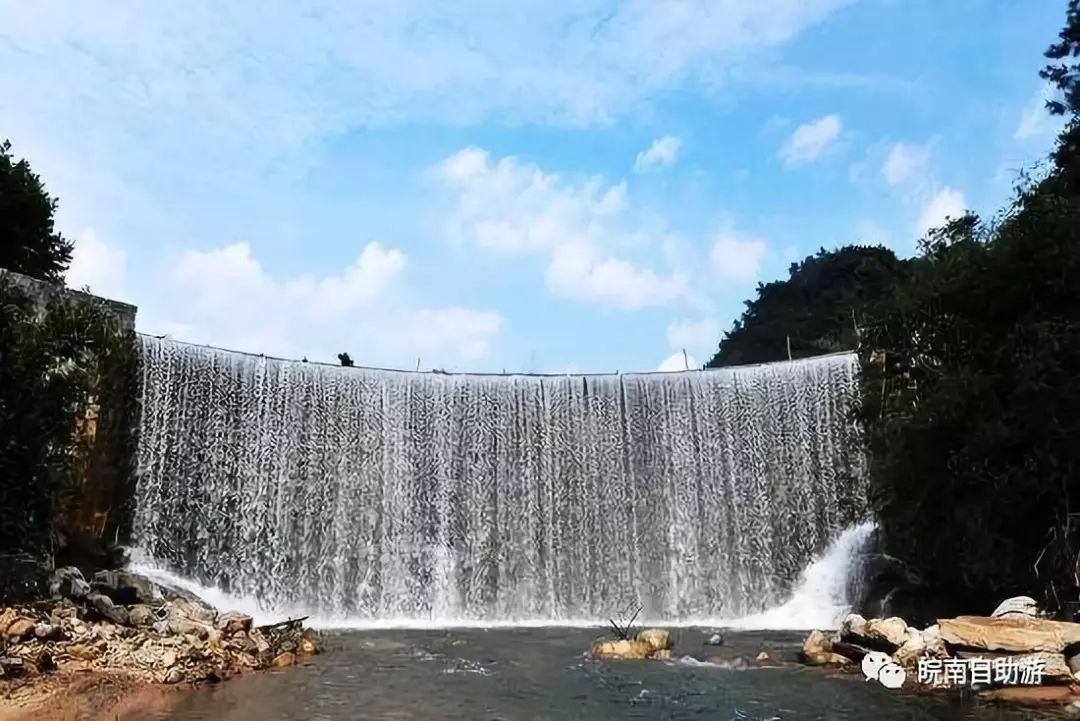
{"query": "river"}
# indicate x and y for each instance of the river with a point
(541, 674)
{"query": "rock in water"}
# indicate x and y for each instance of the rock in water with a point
(621, 650)
(818, 651)
(1016, 606)
(283, 660)
(1017, 634)
(657, 638)
(715, 640)
(853, 627)
(887, 631)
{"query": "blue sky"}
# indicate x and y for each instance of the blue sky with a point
(529, 186)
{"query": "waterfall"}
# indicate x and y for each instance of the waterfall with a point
(370, 494)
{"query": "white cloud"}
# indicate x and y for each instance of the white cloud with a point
(810, 140)
(904, 161)
(661, 154)
(946, 204)
(678, 362)
(510, 207)
(736, 257)
(1036, 124)
(225, 297)
(700, 336)
(99, 265)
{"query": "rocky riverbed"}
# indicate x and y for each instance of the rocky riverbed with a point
(126, 628)
(1016, 653)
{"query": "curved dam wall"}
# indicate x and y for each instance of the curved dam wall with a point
(369, 494)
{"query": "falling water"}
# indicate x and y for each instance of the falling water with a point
(371, 494)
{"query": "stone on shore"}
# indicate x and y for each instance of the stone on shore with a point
(68, 582)
(233, 622)
(1016, 634)
(127, 588)
(106, 608)
(887, 631)
(818, 651)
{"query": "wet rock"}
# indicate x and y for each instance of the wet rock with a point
(1017, 606)
(173, 676)
(233, 622)
(11, 667)
(307, 647)
(820, 650)
(168, 659)
(104, 607)
(284, 660)
(141, 615)
(1017, 634)
(624, 649)
(817, 642)
(715, 640)
(259, 639)
(127, 588)
(19, 628)
(68, 582)
(657, 638)
(663, 654)
(762, 657)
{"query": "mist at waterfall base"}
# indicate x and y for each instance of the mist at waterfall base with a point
(384, 498)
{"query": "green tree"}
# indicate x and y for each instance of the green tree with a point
(816, 310)
(29, 244)
(970, 392)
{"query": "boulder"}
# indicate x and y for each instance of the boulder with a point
(715, 640)
(127, 588)
(173, 675)
(307, 647)
(19, 628)
(663, 654)
(283, 660)
(1016, 634)
(621, 650)
(104, 607)
(911, 650)
(7, 617)
(935, 645)
(887, 631)
(141, 615)
(853, 651)
(657, 638)
(233, 621)
(1017, 606)
(68, 582)
(48, 632)
(853, 627)
(817, 643)
(192, 610)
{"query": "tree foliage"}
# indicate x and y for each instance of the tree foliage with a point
(971, 398)
(56, 354)
(816, 310)
(29, 244)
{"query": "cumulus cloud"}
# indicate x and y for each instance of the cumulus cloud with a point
(99, 265)
(736, 257)
(661, 154)
(678, 362)
(510, 207)
(225, 297)
(945, 204)
(696, 336)
(904, 162)
(810, 140)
